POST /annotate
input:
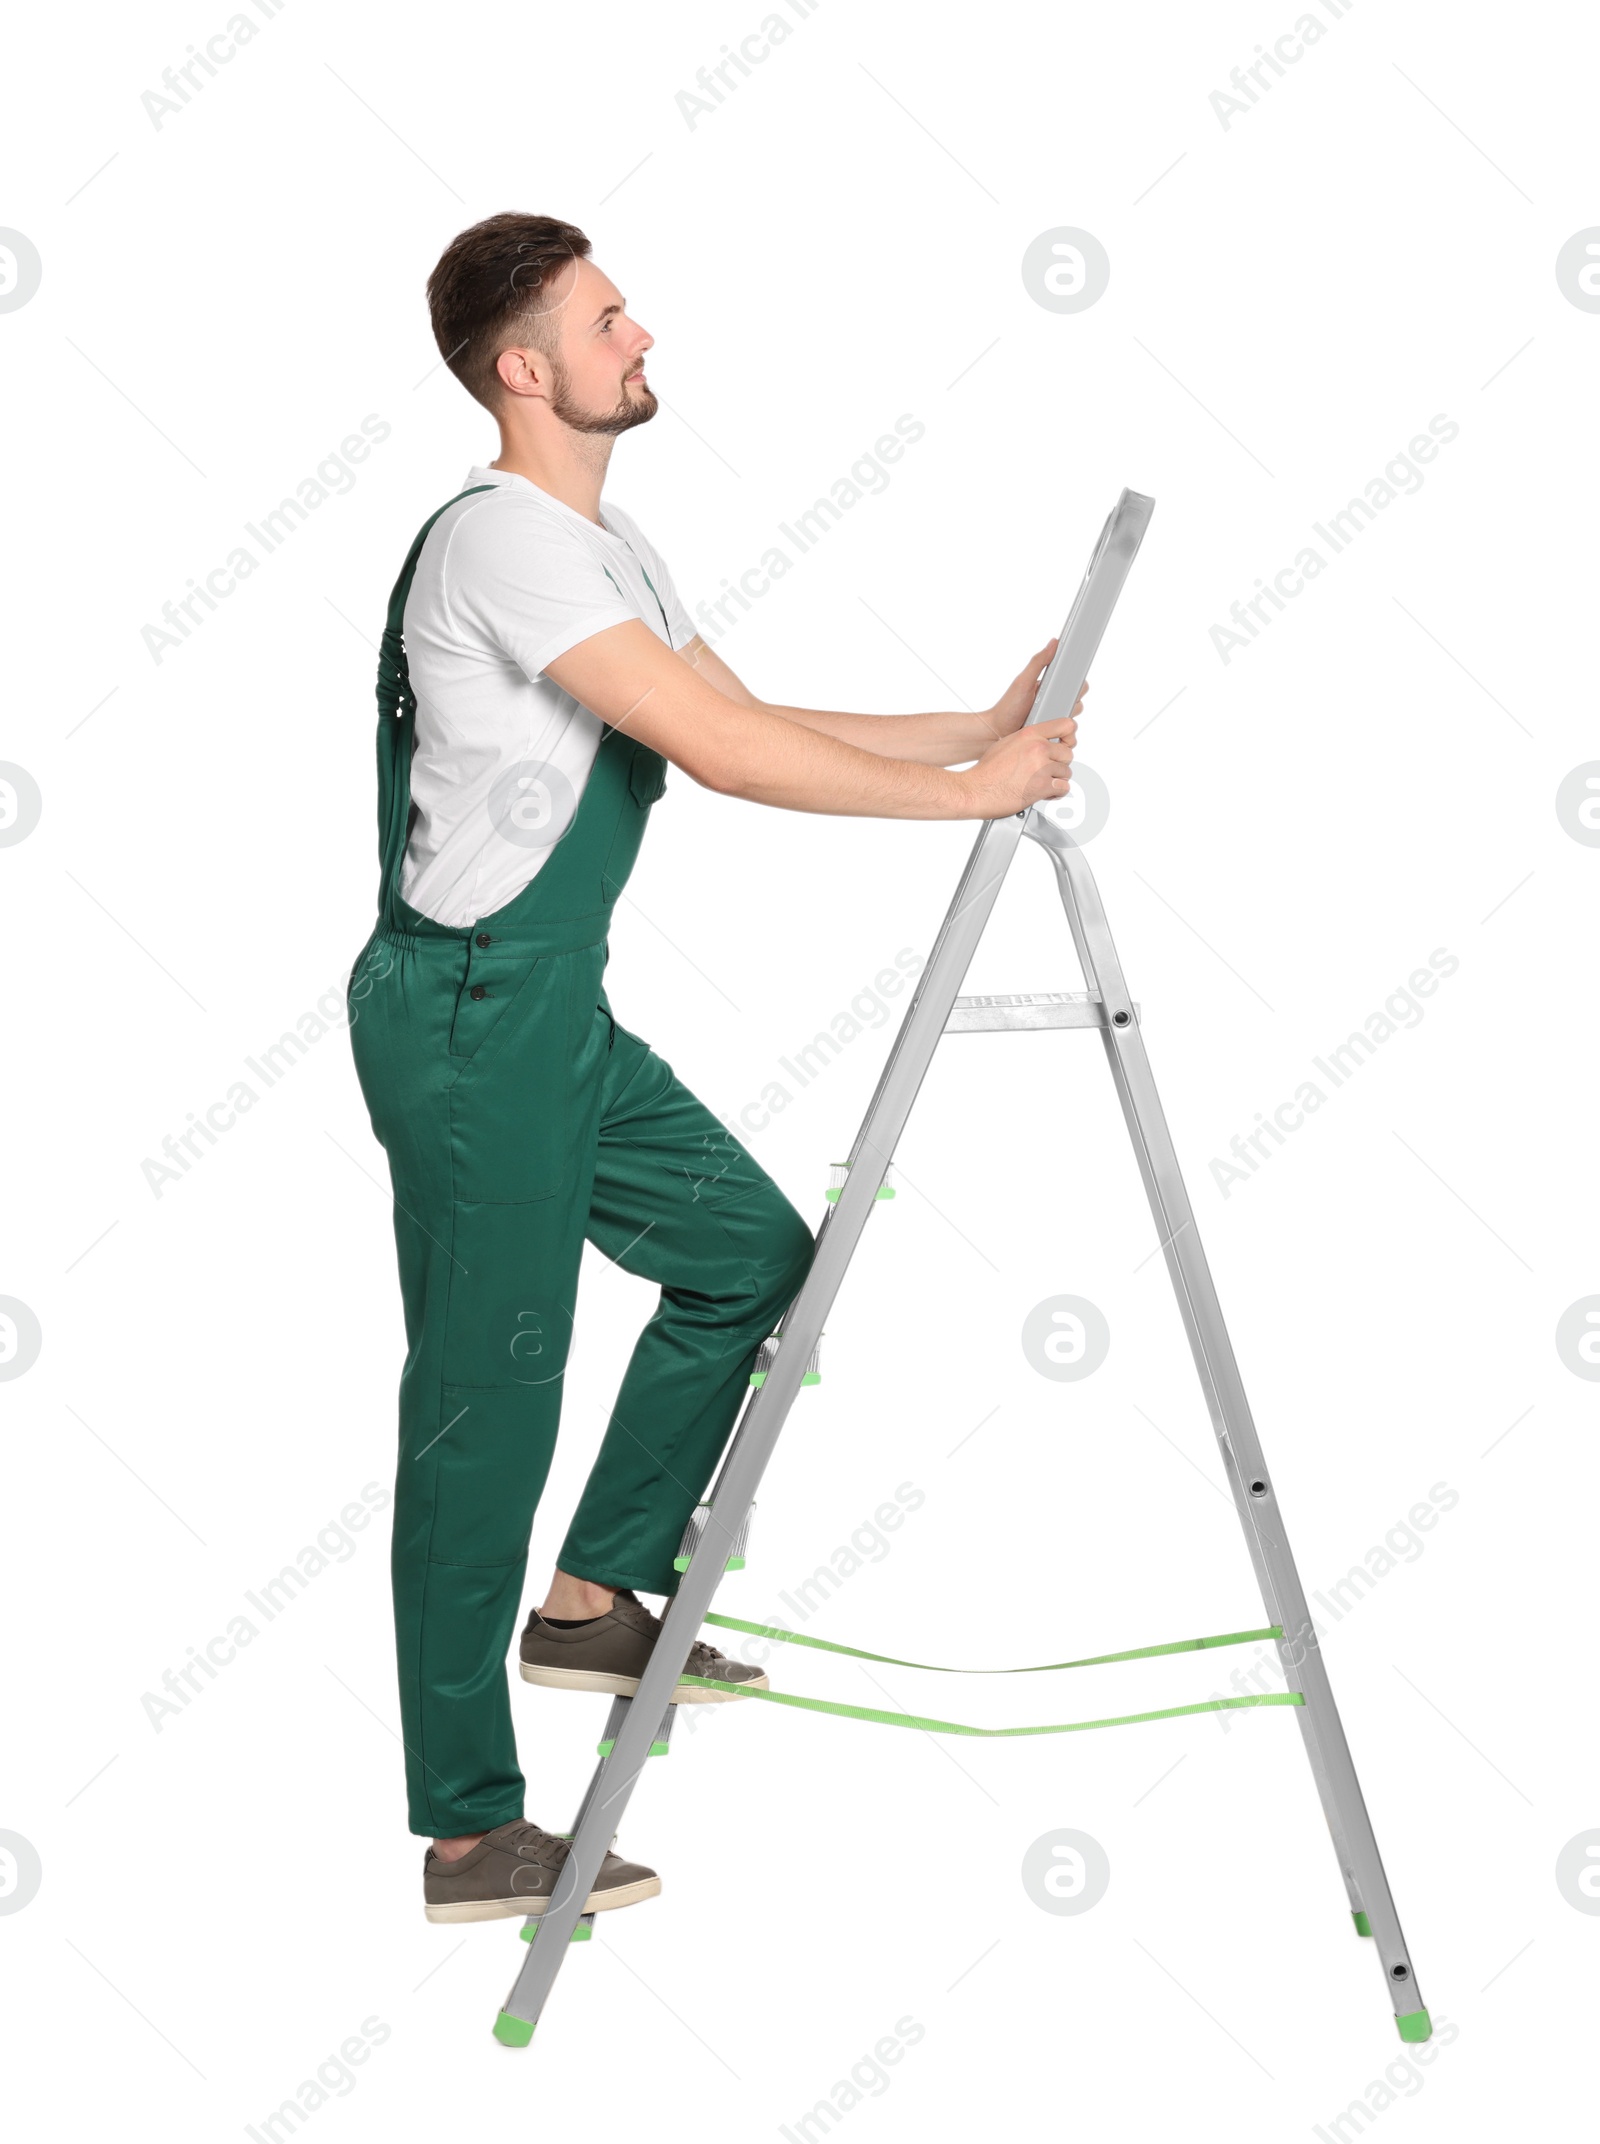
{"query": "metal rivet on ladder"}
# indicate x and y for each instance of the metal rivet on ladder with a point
(1400, 1972)
(1119, 1019)
(1258, 1488)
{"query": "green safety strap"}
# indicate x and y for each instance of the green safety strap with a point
(1049, 1667)
(956, 1727)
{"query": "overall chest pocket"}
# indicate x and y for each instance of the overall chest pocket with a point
(647, 777)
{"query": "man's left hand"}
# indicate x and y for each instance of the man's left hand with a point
(1015, 704)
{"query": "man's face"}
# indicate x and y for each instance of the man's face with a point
(598, 383)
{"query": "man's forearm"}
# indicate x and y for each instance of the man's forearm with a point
(731, 742)
(934, 740)
(937, 740)
(768, 760)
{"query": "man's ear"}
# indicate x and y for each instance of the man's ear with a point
(523, 372)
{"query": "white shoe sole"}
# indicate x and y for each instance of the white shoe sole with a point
(687, 1693)
(505, 1909)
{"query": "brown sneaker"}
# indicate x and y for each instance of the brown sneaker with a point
(513, 1870)
(610, 1654)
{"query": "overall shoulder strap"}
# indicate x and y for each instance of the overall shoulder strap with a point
(397, 705)
(650, 584)
(394, 682)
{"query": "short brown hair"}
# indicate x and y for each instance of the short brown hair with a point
(485, 295)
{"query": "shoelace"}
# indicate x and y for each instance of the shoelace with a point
(528, 1840)
(703, 1659)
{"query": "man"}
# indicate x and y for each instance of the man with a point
(538, 673)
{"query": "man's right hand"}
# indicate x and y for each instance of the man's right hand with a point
(1030, 766)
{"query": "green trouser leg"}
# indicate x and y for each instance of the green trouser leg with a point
(509, 1145)
(676, 1199)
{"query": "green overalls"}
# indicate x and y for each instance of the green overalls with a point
(519, 1118)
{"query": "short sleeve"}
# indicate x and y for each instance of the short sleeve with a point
(526, 585)
(680, 625)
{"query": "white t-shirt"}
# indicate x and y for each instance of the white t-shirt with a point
(508, 580)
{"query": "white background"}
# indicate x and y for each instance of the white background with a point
(1292, 298)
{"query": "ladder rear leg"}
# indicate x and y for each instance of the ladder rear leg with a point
(1333, 1771)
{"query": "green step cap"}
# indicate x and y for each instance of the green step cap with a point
(512, 2031)
(581, 1934)
(1363, 1925)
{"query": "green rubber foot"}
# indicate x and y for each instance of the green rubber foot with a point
(512, 2031)
(1363, 1925)
(1415, 2025)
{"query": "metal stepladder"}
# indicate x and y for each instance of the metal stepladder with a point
(641, 1725)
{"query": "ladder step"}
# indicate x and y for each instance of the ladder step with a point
(1029, 1009)
(696, 1528)
(768, 1355)
(580, 1934)
(658, 1747)
(838, 1172)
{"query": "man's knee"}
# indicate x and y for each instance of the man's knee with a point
(771, 1243)
(792, 1247)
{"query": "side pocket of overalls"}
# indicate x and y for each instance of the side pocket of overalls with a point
(522, 1116)
(510, 1103)
(364, 1018)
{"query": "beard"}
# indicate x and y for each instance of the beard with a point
(630, 410)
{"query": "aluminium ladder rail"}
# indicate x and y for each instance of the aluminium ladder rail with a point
(639, 1725)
